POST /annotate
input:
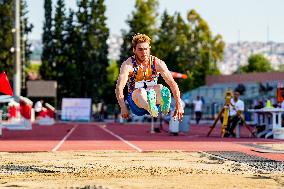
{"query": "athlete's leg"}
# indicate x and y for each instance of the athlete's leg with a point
(146, 100)
(163, 97)
(157, 89)
(152, 101)
(139, 96)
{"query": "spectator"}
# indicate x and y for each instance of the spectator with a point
(257, 116)
(236, 109)
(116, 113)
(282, 115)
(38, 107)
(198, 109)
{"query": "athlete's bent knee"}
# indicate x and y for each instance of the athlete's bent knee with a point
(160, 86)
(165, 88)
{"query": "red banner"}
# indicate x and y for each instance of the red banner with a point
(280, 92)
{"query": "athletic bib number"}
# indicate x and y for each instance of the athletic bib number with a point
(143, 83)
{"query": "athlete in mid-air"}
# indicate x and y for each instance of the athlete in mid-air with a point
(140, 72)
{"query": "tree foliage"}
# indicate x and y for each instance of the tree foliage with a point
(188, 47)
(25, 28)
(47, 69)
(75, 46)
(142, 20)
(71, 76)
(75, 49)
(6, 37)
(281, 68)
(257, 63)
(112, 75)
(97, 34)
(59, 56)
(204, 50)
(92, 48)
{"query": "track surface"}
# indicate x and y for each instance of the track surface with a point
(129, 137)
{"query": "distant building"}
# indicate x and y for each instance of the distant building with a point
(237, 54)
(253, 87)
(245, 78)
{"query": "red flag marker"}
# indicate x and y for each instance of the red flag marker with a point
(5, 85)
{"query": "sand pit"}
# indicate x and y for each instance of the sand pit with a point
(113, 169)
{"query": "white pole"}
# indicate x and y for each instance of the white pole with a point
(17, 58)
(152, 125)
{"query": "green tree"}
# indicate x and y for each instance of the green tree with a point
(97, 35)
(6, 37)
(171, 42)
(26, 28)
(59, 57)
(112, 72)
(92, 48)
(142, 20)
(47, 69)
(112, 75)
(182, 63)
(257, 63)
(204, 50)
(281, 68)
(71, 76)
(188, 47)
(165, 45)
(82, 51)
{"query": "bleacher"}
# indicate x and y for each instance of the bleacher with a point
(214, 95)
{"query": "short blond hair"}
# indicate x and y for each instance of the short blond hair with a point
(140, 38)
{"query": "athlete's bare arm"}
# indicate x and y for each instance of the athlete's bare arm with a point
(125, 69)
(167, 76)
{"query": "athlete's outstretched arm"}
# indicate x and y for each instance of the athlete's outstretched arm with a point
(120, 84)
(167, 76)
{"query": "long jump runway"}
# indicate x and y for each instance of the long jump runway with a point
(126, 137)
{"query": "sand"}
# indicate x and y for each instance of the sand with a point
(113, 169)
(277, 146)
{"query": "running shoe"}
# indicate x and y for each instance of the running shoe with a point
(165, 100)
(151, 97)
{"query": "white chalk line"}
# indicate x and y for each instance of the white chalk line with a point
(64, 139)
(120, 138)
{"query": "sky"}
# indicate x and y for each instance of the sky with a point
(235, 20)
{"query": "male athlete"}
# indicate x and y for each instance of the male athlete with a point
(141, 72)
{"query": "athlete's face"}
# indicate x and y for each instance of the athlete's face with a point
(142, 51)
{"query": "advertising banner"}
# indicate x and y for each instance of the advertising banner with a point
(76, 109)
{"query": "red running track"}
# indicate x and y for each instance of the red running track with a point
(131, 137)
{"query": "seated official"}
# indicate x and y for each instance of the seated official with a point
(235, 110)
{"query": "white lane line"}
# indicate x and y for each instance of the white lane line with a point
(120, 138)
(65, 138)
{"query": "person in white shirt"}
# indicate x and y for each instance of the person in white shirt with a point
(198, 109)
(38, 107)
(236, 109)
